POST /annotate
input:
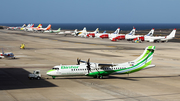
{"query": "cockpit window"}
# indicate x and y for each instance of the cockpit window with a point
(55, 68)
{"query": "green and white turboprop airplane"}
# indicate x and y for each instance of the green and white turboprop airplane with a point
(98, 70)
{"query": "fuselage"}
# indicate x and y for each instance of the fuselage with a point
(7, 55)
(102, 35)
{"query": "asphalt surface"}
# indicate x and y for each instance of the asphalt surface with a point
(45, 50)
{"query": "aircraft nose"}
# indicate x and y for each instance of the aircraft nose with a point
(49, 72)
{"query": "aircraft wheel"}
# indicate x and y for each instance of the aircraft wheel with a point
(38, 78)
(95, 77)
(101, 77)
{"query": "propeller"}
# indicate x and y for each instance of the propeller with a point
(78, 61)
(88, 66)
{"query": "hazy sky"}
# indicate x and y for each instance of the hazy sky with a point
(90, 11)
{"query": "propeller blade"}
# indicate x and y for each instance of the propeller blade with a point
(88, 66)
(78, 61)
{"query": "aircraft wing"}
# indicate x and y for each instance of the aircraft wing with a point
(106, 64)
(83, 61)
(99, 64)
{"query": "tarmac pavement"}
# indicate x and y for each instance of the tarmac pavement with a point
(45, 50)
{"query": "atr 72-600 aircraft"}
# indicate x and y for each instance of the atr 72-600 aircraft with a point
(98, 70)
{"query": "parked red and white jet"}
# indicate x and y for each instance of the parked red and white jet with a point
(7, 55)
(161, 38)
(123, 36)
(92, 34)
(106, 35)
(141, 38)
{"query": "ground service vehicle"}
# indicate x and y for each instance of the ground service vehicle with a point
(35, 75)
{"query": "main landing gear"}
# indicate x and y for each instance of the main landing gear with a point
(53, 77)
(98, 76)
